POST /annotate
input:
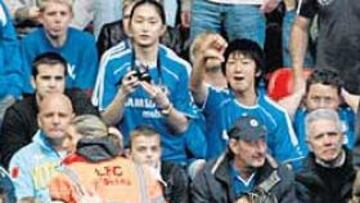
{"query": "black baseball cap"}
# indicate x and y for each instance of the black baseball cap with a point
(247, 128)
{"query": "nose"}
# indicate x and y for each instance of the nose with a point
(148, 154)
(55, 119)
(145, 26)
(52, 83)
(328, 140)
(238, 67)
(58, 18)
(322, 103)
(261, 146)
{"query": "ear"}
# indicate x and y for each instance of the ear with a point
(71, 14)
(127, 153)
(163, 30)
(258, 73)
(309, 145)
(130, 31)
(33, 83)
(40, 18)
(233, 145)
(38, 121)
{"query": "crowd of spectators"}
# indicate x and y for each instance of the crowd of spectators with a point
(166, 101)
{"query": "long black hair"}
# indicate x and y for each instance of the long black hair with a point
(158, 7)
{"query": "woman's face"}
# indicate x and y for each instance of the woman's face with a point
(72, 137)
(146, 26)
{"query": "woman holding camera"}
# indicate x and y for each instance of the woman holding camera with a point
(147, 84)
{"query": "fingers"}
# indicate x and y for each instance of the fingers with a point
(220, 44)
(214, 41)
(129, 82)
(156, 94)
(152, 90)
(213, 48)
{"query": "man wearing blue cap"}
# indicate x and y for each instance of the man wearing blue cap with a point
(244, 170)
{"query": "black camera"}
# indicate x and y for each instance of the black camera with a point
(143, 75)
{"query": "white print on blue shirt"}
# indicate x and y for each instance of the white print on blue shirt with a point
(71, 71)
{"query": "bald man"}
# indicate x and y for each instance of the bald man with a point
(35, 164)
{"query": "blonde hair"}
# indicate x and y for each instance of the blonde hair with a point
(43, 3)
(90, 126)
(127, 3)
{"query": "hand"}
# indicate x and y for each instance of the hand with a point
(129, 83)
(158, 96)
(34, 13)
(212, 49)
(269, 5)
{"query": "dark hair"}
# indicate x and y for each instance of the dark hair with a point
(158, 7)
(325, 77)
(142, 130)
(48, 58)
(249, 49)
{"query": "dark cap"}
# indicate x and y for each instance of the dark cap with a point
(247, 128)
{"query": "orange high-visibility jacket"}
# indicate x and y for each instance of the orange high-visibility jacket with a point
(117, 180)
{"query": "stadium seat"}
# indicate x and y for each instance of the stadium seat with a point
(281, 83)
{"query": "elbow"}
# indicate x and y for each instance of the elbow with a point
(182, 126)
(194, 85)
(301, 24)
(109, 119)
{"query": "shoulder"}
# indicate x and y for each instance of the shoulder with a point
(76, 96)
(346, 111)
(173, 61)
(119, 53)
(225, 93)
(271, 105)
(28, 101)
(37, 35)
(110, 26)
(3, 16)
(75, 93)
(84, 36)
(25, 154)
(171, 169)
(20, 108)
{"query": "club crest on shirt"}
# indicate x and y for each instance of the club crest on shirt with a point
(325, 2)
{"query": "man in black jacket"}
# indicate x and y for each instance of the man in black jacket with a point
(20, 123)
(244, 170)
(145, 148)
(328, 174)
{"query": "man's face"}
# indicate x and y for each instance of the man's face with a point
(56, 18)
(240, 73)
(50, 79)
(322, 96)
(146, 26)
(54, 117)
(325, 140)
(146, 150)
(249, 154)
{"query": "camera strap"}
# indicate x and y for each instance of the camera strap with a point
(158, 65)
